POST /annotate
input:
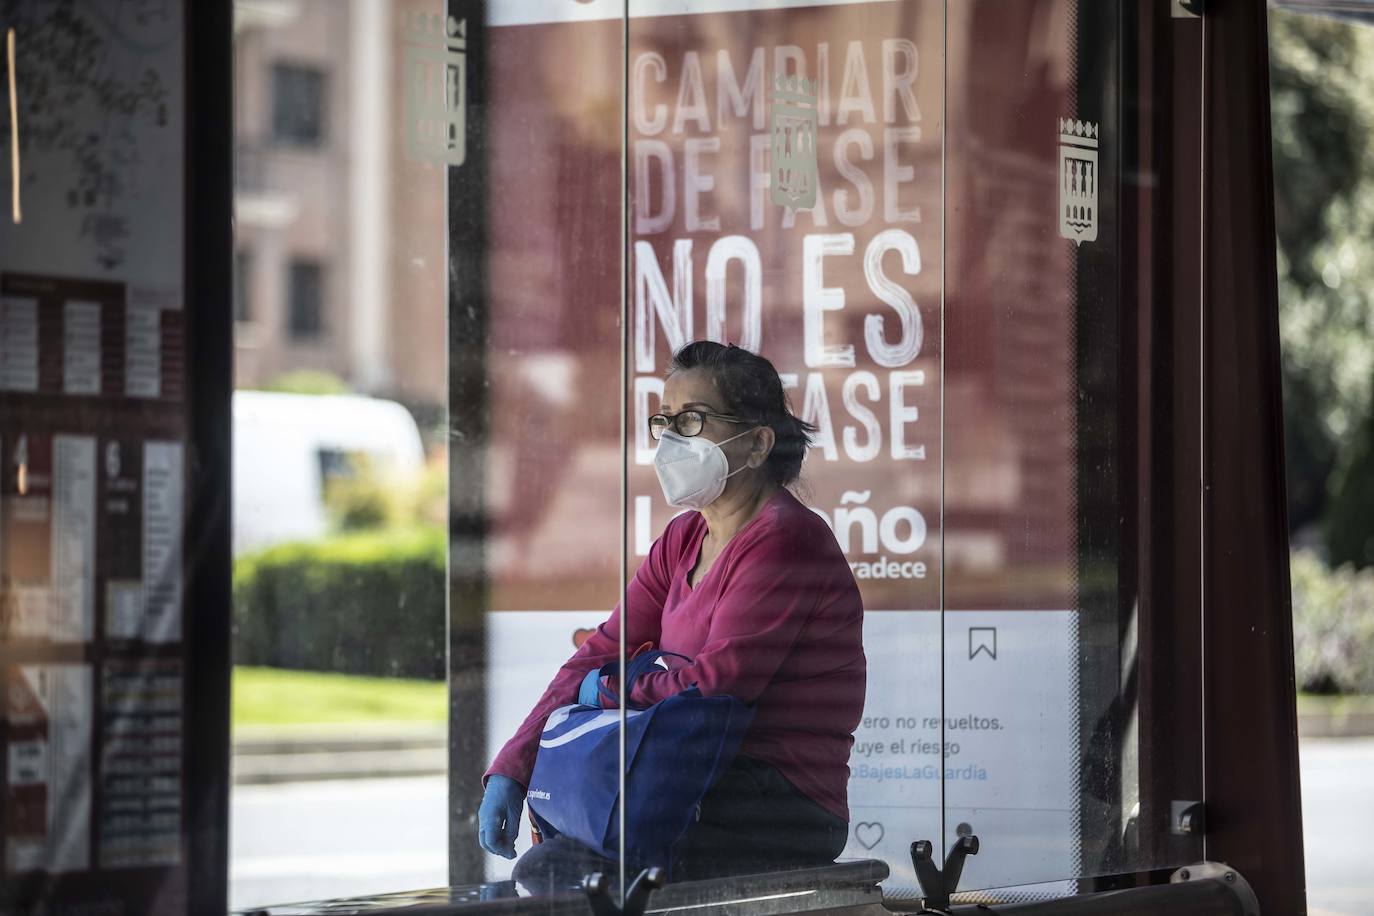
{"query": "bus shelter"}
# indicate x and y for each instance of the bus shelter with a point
(1013, 261)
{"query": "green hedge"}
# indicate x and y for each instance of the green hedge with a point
(1333, 626)
(373, 603)
(367, 603)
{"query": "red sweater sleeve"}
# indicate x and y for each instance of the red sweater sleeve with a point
(644, 597)
(770, 591)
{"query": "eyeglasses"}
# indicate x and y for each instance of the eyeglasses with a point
(686, 422)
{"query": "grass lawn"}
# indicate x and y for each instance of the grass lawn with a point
(271, 696)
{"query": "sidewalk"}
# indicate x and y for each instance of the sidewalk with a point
(1335, 717)
(277, 754)
(301, 753)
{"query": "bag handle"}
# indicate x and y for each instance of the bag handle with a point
(640, 665)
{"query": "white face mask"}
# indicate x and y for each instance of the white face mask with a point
(692, 471)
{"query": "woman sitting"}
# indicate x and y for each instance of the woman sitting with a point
(754, 589)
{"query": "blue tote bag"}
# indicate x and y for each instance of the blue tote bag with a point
(675, 750)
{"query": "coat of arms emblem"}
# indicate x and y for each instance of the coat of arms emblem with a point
(436, 89)
(794, 173)
(1078, 208)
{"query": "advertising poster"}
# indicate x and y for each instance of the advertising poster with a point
(797, 188)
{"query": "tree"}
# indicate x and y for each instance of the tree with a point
(1350, 519)
(1322, 103)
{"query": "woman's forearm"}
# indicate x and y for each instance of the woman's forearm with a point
(516, 758)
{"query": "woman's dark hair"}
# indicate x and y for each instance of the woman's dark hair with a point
(752, 390)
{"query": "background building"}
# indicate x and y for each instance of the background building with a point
(329, 214)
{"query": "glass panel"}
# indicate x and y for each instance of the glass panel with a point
(1072, 586)
(788, 182)
(785, 198)
(535, 344)
(339, 458)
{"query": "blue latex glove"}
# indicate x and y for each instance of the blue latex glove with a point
(589, 694)
(498, 817)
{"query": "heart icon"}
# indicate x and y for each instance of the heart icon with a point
(868, 834)
(582, 635)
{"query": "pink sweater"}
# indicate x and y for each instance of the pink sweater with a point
(776, 622)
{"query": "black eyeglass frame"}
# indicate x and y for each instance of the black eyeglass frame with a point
(672, 420)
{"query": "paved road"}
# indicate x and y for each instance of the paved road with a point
(310, 840)
(303, 841)
(1338, 824)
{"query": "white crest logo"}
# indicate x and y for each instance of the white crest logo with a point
(794, 174)
(1078, 180)
(436, 97)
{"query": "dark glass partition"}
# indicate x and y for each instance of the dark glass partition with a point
(113, 529)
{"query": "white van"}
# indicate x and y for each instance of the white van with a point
(288, 446)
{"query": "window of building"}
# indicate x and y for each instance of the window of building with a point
(305, 319)
(297, 105)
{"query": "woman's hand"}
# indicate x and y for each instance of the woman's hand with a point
(589, 694)
(498, 817)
